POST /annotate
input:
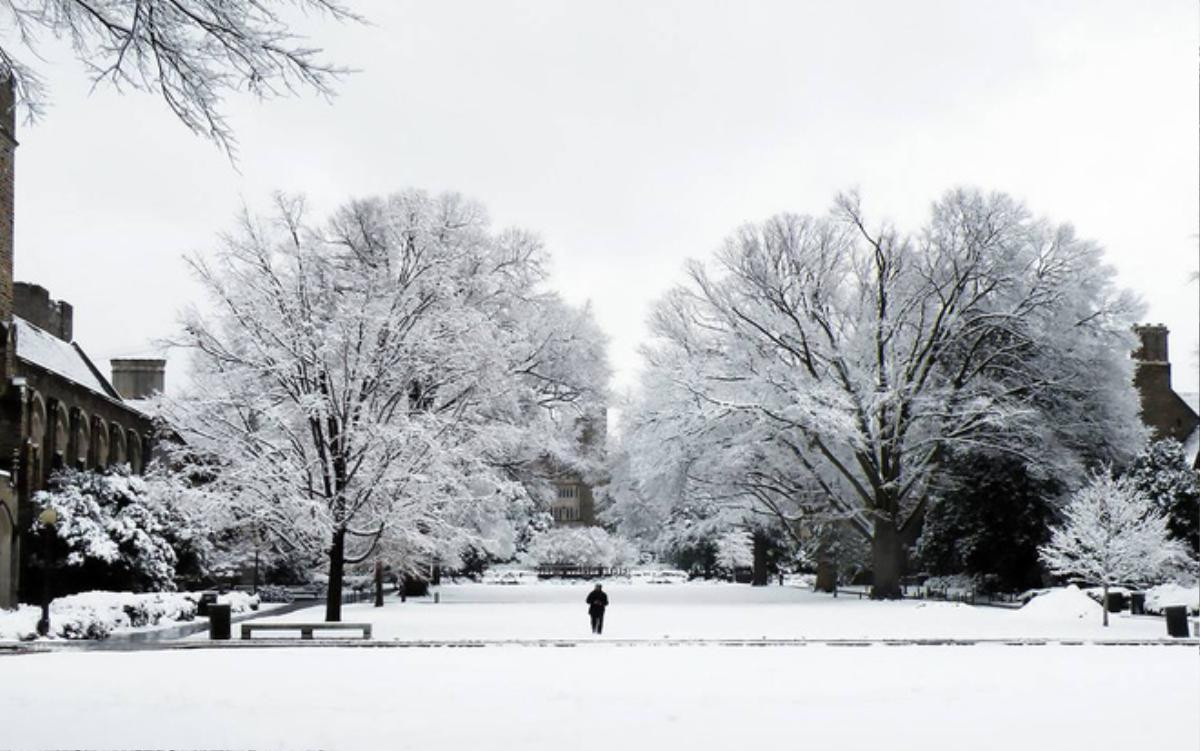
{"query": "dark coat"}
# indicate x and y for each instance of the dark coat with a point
(597, 601)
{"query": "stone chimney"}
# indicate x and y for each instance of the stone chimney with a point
(138, 377)
(1153, 373)
(32, 302)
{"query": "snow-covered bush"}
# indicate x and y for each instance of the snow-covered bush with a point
(581, 546)
(96, 615)
(111, 532)
(1166, 595)
(1062, 603)
(954, 583)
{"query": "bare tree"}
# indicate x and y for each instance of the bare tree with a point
(365, 387)
(190, 52)
(826, 353)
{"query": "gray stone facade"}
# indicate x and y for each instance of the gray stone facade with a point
(56, 408)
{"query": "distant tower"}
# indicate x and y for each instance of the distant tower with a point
(1163, 411)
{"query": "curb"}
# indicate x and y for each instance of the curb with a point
(138, 645)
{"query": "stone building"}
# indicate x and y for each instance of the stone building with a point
(1168, 414)
(56, 408)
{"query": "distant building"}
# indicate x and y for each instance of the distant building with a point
(574, 504)
(1167, 413)
(56, 408)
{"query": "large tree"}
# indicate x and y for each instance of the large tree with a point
(837, 362)
(387, 382)
(190, 52)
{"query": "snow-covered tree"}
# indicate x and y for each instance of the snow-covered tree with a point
(1164, 474)
(386, 382)
(1112, 535)
(190, 52)
(581, 546)
(824, 368)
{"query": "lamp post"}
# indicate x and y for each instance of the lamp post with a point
(48, 518)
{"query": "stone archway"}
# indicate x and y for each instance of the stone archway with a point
(60, 436)
(36, 438)
(116, 444)
(133, 445)
(81, 440)
(99, 444)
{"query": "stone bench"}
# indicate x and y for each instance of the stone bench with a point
(306, 629)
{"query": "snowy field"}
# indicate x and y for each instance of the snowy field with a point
(602, 696)
(720, 611)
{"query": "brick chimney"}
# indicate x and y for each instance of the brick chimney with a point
(138, 377)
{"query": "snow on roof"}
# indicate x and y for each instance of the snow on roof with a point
(1191, 447)
(61, 358)
(1192, 399)
(145, 406)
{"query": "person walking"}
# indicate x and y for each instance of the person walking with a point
(597, 601)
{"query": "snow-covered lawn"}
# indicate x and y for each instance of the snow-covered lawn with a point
(602, 696)
(700, 610)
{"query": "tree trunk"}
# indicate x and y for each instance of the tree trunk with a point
(826, 574)
(759, 579)
(887, 558)
(337, 563)
(1104, 604)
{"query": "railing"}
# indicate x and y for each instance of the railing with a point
(573, 571)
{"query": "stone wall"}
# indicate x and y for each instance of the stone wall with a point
(8, 145)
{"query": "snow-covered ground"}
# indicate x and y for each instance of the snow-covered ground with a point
(718, 610)
(607, 697)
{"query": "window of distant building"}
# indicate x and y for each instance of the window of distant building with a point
(566, 491)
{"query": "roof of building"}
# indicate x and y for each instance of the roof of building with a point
(64, 359)
(1192, 399)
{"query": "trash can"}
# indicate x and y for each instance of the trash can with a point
(1177, 624)
(218, 621)
(206, 599)
(1137, 603)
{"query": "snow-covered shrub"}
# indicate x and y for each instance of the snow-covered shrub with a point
(114, 531)
(953, 584)
(581, 546)
(1061, 603)
(96, 615)
(274, 593)
(1166, 595)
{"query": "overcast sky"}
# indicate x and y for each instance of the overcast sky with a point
(633, 135)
